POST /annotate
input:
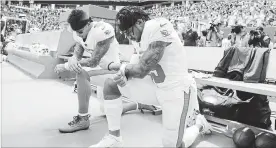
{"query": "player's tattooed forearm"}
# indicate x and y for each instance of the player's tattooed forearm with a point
(78, 51)
(101, 49)
(148, 61)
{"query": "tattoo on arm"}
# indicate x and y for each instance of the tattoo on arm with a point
(101, 49)
(148, 61)
(78, 51)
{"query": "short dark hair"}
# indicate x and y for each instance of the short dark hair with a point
(260, 28)
(204, 33)
(77, 19)
(129, 15)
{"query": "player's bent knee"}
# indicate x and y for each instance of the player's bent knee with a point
(111, 90)
(83, 75)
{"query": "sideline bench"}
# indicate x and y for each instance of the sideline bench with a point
(262, 89)
(206, 59)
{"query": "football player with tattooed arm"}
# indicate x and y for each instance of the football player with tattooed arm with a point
(96, 38)
(164, 59)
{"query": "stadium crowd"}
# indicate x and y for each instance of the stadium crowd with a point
(228, 12)
(216, 15)
(42, 19)
(212, 12)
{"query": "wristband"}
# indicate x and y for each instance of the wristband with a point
(122, 68)
(66, 66)
(109, 65)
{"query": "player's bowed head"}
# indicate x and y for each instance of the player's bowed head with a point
(131, 21)
(79, 22)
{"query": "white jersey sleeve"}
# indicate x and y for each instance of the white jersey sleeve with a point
(101, 31)
(160, 29)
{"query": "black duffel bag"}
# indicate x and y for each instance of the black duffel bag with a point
(219, 102)
(247, 108)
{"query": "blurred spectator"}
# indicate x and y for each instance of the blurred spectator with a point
(12, 35)
(226, 42)
(2, 36)
(189, 36)
(240, 37)
(258, 38)
(202, 39)
(231, 20)
(264, 39)
(3, 42)
(215, 35)
(2, 27)
(180, 27)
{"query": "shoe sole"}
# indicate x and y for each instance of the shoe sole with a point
(73, 131)
(118, 145)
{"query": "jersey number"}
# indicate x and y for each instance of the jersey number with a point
(160, 77)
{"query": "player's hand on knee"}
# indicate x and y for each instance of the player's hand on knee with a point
(120, 79)
(75, 68)
(122, 83)
(60, 68)
(74, 65)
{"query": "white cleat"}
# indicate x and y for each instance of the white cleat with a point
(207, 127)
(109, 141)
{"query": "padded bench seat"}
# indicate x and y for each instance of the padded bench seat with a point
(258, 88)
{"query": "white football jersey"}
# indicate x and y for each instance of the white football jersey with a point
(99, 32)
(172, 70)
